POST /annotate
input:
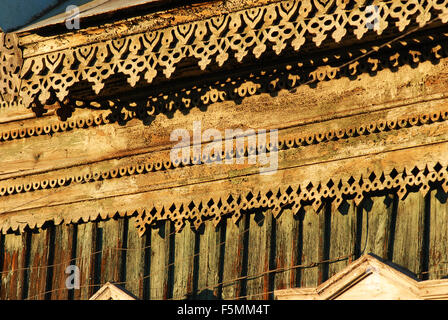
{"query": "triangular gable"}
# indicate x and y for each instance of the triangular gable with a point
(370, 278)
(111, 292)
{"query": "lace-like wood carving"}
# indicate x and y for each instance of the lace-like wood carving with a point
(10, 66)
(142, 57)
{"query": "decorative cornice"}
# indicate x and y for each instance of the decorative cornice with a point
(163, 162)
(269, 79)
(293, 186)
(50, 127)
(296, 196)
(242, 190)
(10, 68)
(283, 76)
(272, 27)
(213, 201)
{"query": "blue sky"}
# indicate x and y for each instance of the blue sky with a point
(15, 14)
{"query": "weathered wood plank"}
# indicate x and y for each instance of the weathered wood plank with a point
(375, 223)
(283, 107)
(184, 250)
(112, 250)
(38, 263)
(408, 239)
(160, 246)
(209, 255)
(114, 203)
(286, 251)
(2, 258)
(85, 248)
(312, 241)
(260, 228)
(342, 237)
(13, 267)
(438, 241)
(63, 250)
(135, 260)
(233, 258)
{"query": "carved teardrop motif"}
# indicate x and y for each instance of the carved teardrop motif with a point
(254, 30)
(323, 5)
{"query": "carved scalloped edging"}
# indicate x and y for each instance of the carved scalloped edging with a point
(399, 171)
(54, 126)
(295, 196)
(273, 26)
(273, 79)
(286, 143)
(10, 67)
(234, 203)
(282, 77)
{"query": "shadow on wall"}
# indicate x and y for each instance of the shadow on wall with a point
(183, 94)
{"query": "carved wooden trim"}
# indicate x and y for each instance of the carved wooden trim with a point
(401, 171)
(162, 161)
(53, 126)
(111, 292)
(10, 69)
(150, 194)
(271, 27)
(284, 76)
(403, 285)
(171, 197)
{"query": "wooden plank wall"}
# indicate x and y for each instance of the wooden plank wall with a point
(246, 260)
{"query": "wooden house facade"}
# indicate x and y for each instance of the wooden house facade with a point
(354, 91)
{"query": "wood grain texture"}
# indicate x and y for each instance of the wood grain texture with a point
(312, 247)
(376, 226)
(286, 250)
(408, 238)
(48, 155)
(209, 262)
(40, 157)
(62, 258)
(341, 129)
(370, 278)
(438, 244)
(2, 258)
(233, 258)
(112, 250)
(160, 246)
(13, 267)
(85, 249)
(260, 228)
(135, 260)
(38, 263)
(34, 41)
(342, 237)
(184, 257)
(107, 197)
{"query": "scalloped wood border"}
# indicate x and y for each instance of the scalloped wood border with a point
(277, 25)
(419, 168)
